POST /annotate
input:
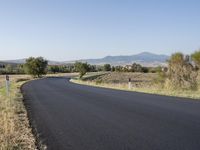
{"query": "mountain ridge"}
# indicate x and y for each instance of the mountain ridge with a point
(144, 58)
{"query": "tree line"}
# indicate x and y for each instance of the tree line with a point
(39, 64)
(182, 70)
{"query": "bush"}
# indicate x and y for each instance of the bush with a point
(92, 68)
(196, 58)
(107, 67)
(181, 73)
(136, 68)
(118, 68)
(98, 81)
(145, 69)
(54, 69)
(113, 68)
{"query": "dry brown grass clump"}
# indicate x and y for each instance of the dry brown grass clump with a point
(141, 82)
(15, 132)
(137, 79)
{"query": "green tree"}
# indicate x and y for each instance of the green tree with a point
(196, 58)
(181, 73)
(145, 69)
(20, 69)
(99, 68)
(9, 69)
(82, 68)
(113, 68)
(54, 69)
(118, 68)
(92, 68)
(36, 66)
(107, 67)
(136, 68)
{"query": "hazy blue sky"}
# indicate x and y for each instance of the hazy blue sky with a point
(73, 29)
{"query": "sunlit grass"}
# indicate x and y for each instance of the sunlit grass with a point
(153, 90)
(15, 132)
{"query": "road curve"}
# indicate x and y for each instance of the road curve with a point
(69, 116)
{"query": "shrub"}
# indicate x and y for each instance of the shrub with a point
(136, 67)
(145, 69)
(107, 67)
(181, 73)
(118, 68)
(113, 68)
(196, 58)
(99, 81)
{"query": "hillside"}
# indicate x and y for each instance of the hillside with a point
(144, 58)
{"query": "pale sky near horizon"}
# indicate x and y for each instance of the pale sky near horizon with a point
(77, 29)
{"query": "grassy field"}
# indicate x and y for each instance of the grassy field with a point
(140, 82)
(137, 79)
(15, 132)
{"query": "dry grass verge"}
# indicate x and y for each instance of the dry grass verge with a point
(15, 132)
(144, 83)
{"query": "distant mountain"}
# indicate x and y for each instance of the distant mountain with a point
(144, 58)
(22, 61)
(17, 61)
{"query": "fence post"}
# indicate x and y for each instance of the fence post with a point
(129, 83)
(7, 85)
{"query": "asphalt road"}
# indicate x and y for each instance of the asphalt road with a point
(68, 116)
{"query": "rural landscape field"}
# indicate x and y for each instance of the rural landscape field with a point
(15, 132)
(140, 82)
(99, 75)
